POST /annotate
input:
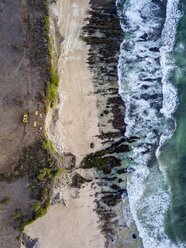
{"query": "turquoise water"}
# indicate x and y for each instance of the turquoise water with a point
(173, 153)
(152, 82)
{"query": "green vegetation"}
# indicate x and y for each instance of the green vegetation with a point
(51, 94)
(54, 77)
(16, 214)
(45, 144)
(45, 173)
(47, 24)
(60, 171)
(39, 209)
(16, 47)
(5, 201)
(48, 145)
(52, 147)
(51, 91)
(39, 165)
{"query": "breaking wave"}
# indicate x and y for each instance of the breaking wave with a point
(144, 70)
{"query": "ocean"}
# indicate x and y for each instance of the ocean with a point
(151, 71)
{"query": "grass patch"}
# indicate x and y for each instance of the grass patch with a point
(54, 77)
(51, 94)
(60, 171)
(52, 147)
(47, 24)
(5, 201)
(48, 145)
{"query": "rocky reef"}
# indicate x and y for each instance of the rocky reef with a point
(103, 34)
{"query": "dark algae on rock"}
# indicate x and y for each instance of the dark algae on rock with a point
(78, 180)
(103, 34)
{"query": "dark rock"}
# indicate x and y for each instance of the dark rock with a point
(110, 178)
(114, 186)
(120, 180)
(30, 243)
(78, 180)
(91, 145)
(107, 170)
(112, 215)
(111, 200)
(154, 49)
(134, 236)
(122, 171)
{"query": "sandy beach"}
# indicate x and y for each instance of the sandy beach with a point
(72, 226)
(76, 123)
(72, 127)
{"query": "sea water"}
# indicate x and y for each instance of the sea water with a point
(151, 83)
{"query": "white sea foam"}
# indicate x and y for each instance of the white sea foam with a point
(170, 98)
(145, 88)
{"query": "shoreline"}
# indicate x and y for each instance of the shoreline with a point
(87, 68)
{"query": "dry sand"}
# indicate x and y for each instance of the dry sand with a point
(77, 120)
(74, 226)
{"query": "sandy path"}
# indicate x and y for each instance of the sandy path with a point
(78, 116)
(74, 226)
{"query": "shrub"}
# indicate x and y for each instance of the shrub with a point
(59, 171)
(54, 76)
(52, 147)
(51, 94)
(16, 214)
(36, 206)
(5, 201)
(44, 144)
